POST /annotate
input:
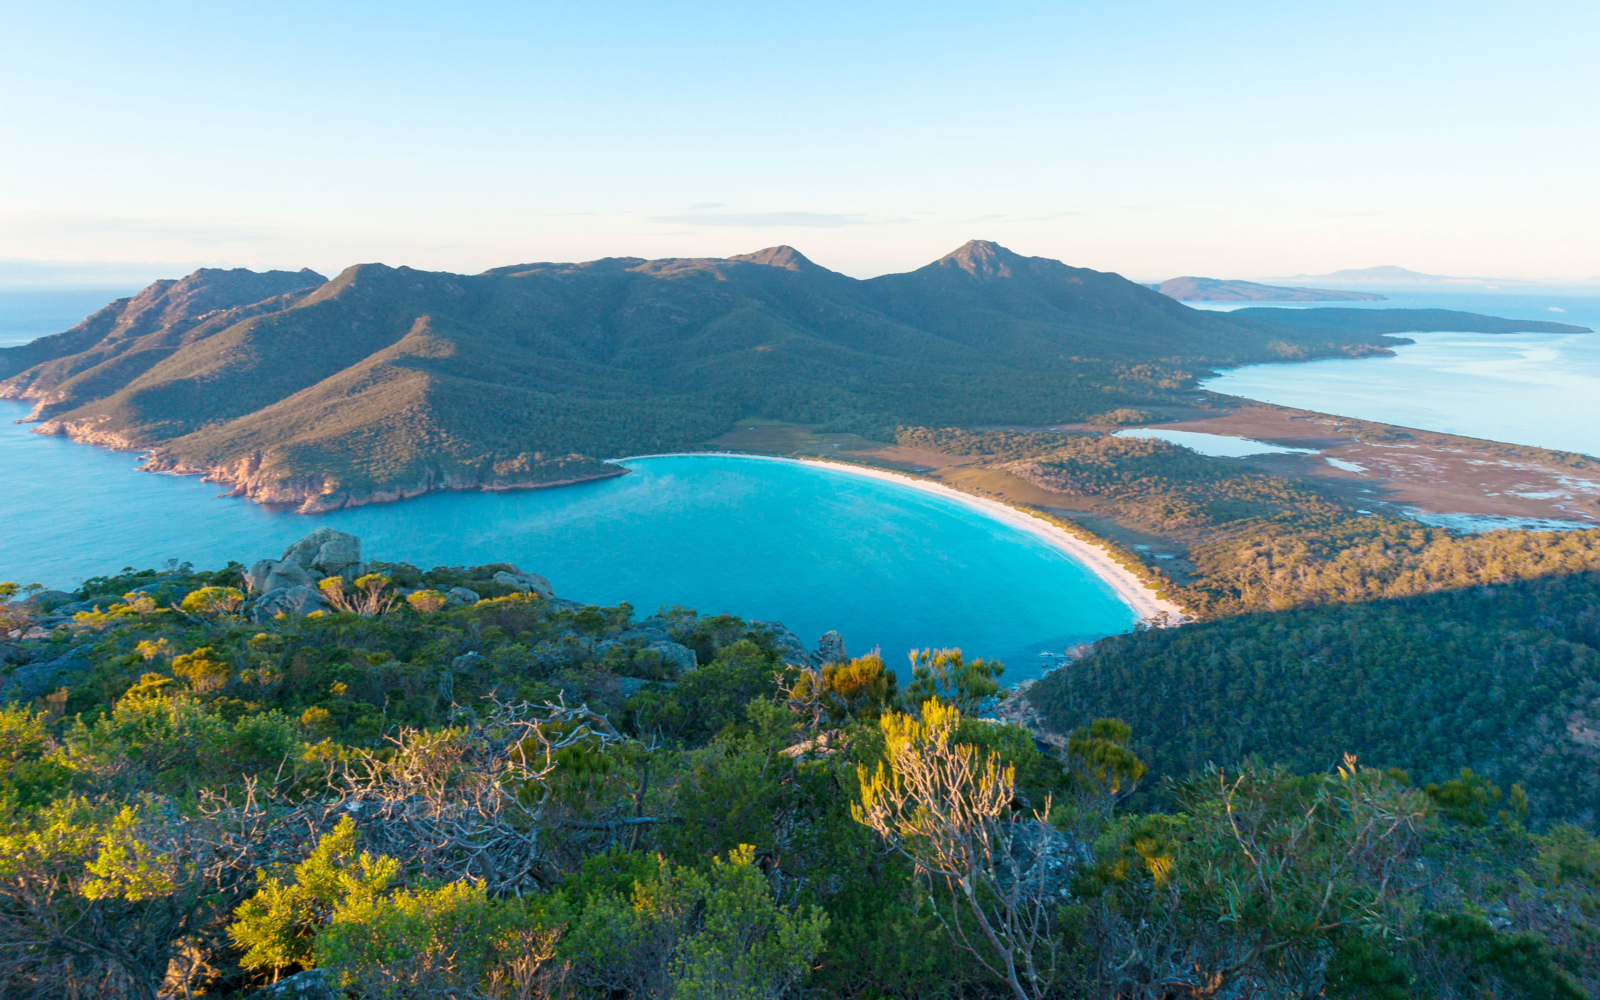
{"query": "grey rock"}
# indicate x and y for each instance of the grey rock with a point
(287, 574)
(562, 604)
(35, 680)
(293, 601)
(68, 610)
(339, 551)
(830, 648)
(466, 662)
(256, 576)
(305, 552)
(353, 572)
(644, 634)
(47, 600)
(627, 687)
(311, 984)
(461, 595)
(790, 648)
(679, 656)
(526, 583)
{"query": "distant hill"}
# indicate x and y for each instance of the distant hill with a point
(386, 382)
(1388, 321)
(1192, 289)
(1387, 273)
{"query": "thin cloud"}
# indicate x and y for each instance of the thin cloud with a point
(764, 220)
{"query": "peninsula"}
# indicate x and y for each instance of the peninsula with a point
(1192, 289)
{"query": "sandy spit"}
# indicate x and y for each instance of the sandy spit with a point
(1129, 588)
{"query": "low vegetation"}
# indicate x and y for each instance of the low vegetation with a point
(522, 797)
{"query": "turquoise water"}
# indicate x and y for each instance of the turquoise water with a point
(816, 549)
(1525, 388)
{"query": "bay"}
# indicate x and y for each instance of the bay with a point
(813, 547)
(1535, 389)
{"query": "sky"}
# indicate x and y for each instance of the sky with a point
(1236, 140)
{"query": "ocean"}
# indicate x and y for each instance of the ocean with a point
(1538, 389)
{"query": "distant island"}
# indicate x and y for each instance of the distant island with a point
(1386, 274)
(389, 382)
(1192, 289)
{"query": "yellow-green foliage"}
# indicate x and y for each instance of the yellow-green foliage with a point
(201, 669)
(213, 600)
(690, 934)
(278, 926)
(945, 675)
(426, 601)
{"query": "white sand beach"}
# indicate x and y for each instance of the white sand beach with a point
(1129, 588)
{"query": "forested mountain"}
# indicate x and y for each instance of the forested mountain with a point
(387, 382)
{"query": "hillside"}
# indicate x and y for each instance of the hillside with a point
(388, 382)
(1501, 678)
(1192, 289)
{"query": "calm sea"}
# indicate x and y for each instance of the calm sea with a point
(816, 549)
(28, 313)
(1526, 388)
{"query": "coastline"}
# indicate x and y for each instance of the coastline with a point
(1097, 559)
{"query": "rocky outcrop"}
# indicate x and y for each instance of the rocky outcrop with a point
(830, 649)
(651, 636)
(791, 649)
(295, 601)
(527, 583)
(35, 680)
(311, 984)
(289, 584)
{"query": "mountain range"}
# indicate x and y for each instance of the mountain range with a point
(386, 382)
(1386, 274)
(1192, 289)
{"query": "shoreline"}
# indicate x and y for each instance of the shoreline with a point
(1097, 559)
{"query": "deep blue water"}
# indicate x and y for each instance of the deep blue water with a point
(817, 549)
(29, 313)
(1537, 389)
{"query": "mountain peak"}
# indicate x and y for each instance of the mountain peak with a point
(786, 257)
(982, 259)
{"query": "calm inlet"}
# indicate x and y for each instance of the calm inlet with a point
(814, 548)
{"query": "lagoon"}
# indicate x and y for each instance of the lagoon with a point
(813, 547)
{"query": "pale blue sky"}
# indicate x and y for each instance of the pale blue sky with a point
(1154, 139)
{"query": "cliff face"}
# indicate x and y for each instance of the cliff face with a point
(387, 382)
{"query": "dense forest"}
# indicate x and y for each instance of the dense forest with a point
(1502, 678)
(391, 381)
(453, 783)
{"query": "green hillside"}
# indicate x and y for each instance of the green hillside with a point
(1500, 675)
(390, 381)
